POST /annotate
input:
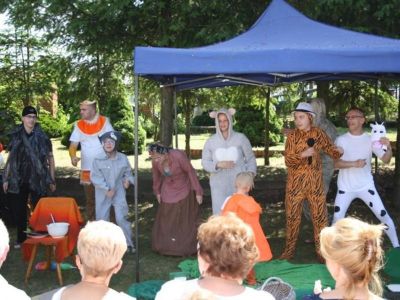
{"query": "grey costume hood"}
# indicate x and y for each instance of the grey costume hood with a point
(236, 148)
(228, 113)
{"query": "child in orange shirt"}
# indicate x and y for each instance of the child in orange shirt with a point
(247, 209)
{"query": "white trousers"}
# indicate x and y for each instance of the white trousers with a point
(371, 198)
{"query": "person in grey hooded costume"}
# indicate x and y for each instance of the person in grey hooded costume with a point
(321, 121)
(111, 175)
(225, 154)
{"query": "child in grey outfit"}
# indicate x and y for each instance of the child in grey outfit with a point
(111, 175)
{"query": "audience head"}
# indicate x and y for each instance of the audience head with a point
(244, 180)
(226, 247)
(4, 242)
(353, 247)
(101, 245)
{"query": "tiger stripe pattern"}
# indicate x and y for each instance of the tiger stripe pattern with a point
(304, 182)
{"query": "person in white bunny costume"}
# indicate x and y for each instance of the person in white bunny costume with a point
(225, 154)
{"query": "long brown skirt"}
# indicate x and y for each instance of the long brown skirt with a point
(175, 227)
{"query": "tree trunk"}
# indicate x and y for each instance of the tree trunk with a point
(167, 116)
(352, 94)
(323, 92)
(266, 141)
(376, 103)
(396, 181)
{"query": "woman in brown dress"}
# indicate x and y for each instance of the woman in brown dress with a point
(179, 194)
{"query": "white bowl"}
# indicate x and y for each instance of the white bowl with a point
(58, 229)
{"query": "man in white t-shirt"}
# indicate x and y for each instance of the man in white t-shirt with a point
(355, 178)
(86, 132)
(7, 290)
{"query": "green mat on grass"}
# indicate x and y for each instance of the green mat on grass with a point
(392, 265)
(145, 290)
(300, 276)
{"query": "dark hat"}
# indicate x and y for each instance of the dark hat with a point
(29, 110)
(114, 135)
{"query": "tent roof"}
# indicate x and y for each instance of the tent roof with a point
(282, 46)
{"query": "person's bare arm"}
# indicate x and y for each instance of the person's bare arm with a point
(5, 176)
(52, 169)
(73, 148)
(388, 154)
(345, 164)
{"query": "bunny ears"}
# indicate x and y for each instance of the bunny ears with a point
(230, 111)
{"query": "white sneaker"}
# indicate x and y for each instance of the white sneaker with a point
(131, 249)
(17, 246)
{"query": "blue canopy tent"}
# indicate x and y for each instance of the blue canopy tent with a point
(283, 46)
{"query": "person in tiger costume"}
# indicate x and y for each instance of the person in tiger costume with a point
(304, 181)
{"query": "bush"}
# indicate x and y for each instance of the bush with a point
(148, 126)
(203, 120)
(250, 121)
(121, 116)
(8, 122)
(67, 133)
(53, 127)
(180, 124)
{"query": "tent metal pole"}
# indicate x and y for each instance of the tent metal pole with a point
(376, 112)
(176, 116)
(137, 266)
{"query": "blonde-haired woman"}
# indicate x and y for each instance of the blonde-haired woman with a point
(353, 253)
(101, 245)
(226, 253)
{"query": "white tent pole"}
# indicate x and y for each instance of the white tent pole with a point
(136, 176)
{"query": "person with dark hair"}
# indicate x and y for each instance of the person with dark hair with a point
(29, 170)
(355, 178)
(111, 175)
(179, 194)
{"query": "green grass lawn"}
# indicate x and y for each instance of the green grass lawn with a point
(153, 265)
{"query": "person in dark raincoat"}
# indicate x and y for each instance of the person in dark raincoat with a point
(29, 170)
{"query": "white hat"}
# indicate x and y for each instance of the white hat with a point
(305, 107)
